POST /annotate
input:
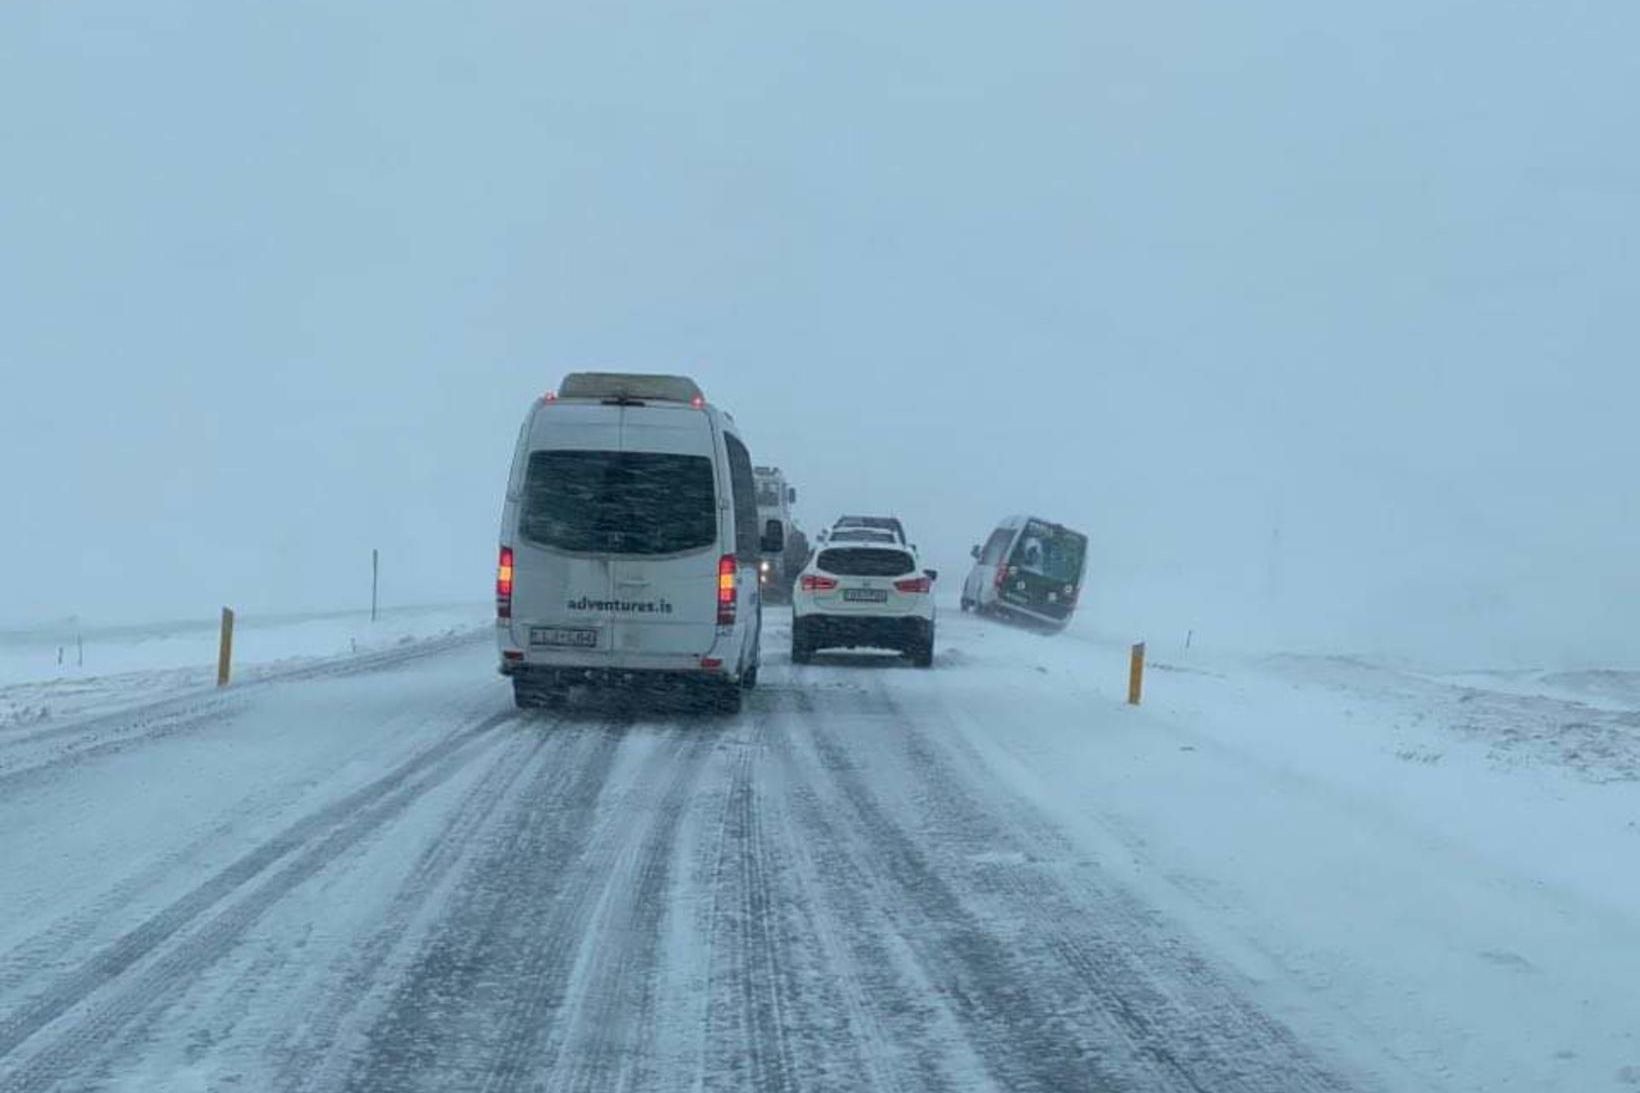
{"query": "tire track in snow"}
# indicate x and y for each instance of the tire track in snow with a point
(310, 844)
(1021, 1040)
(1146, 1004)
(308, 1059)
(610, 1028)
(1027, 1031)
(492, 1002)
(1169, 1006)
(887, 1024)
(748, 934)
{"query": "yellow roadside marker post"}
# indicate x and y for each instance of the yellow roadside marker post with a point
(224, 657)
(1136, 674)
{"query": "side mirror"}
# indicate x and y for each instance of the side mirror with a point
(973, 552)
(791, 495)
(932, 574)
(774, 537)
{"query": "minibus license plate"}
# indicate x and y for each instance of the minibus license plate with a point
(564, 636)
(866, 595)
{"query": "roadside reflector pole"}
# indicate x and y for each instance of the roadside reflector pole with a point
(1136, 675)
(224, 657)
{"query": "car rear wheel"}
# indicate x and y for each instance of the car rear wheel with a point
(802, 648)
(922, 654)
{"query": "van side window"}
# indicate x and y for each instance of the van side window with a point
(744, 489)
(996, 547)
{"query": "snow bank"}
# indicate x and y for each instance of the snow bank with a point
(42, 677)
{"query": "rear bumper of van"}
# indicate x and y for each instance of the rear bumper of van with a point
(561, 669)
(639, 680)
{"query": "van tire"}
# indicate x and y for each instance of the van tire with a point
(728, 698)
(533, 696)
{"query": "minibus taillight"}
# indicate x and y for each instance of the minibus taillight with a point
(727, 575)
(503, 584)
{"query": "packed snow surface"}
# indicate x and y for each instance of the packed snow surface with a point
(371, 873)
(65, 669)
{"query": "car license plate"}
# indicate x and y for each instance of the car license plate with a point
(865, 595)
(573, 638)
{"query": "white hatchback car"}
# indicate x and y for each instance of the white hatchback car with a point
(864, 595)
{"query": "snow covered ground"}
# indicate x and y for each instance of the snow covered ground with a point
(371, 873)
(64, 670)
(1439, 866)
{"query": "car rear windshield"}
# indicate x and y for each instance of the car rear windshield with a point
(1050, 551)
(865, 562)
(619, 502)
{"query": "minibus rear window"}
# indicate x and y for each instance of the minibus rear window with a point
(865, 562)
(619, 502)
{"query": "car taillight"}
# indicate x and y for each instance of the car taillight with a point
(814, 583)
(504, 584)
(1002, 577)
(915, 586)
(728, 573)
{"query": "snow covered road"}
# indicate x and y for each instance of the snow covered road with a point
(384, 878)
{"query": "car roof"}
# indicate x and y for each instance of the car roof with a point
(1014, 523)
(864, 544)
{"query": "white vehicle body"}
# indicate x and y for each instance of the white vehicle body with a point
(775, 497)
(890, 524)
(629, 543)
(863, 535)
(864, 595)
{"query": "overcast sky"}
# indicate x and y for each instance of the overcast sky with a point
(1322, 320)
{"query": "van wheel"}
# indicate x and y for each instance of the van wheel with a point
(729, 698)
(748, 678)
(533, 696)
